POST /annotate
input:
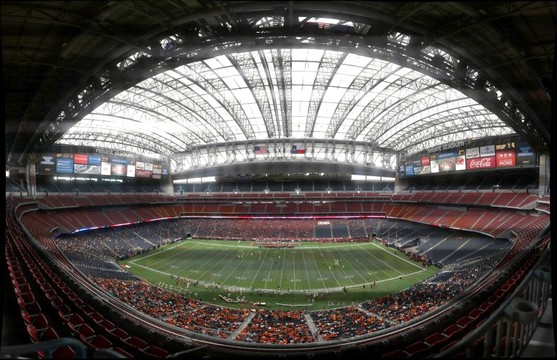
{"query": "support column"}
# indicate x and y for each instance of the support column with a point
(31, 179)
(543, 178)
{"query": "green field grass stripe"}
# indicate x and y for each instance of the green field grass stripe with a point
(287, 275)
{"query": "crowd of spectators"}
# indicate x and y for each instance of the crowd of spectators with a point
(291, 326)
(91, 251)
(424, 297)
(346, 322)
(277, 327)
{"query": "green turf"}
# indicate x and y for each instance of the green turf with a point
(318, 275)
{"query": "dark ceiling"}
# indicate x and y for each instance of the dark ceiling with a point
(51, 49)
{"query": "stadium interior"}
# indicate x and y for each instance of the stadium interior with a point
(277, 179)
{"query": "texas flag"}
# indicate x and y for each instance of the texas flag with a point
(295, 150)
(260, 150)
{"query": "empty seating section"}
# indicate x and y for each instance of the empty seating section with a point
(505, 199)
(49, 308)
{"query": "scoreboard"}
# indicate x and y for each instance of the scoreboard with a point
(100, 164)
(510, 154)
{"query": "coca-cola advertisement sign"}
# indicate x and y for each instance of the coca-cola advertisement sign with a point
(143, 173)
(480, 163)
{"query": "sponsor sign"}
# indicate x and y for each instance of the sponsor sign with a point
(505, 146)
(472, 153)
(447, 164)
(505, 158)
(425, 161)
(130, 171)
(525, 155)
(64, 165)
(80, 159)
(409, 170)
(105, 168)
(434, 166)
(47, 164)
(460, 163)
(488, 150)
(86, 169)
(480, 163)
(118, 170)
(421, 170)
(446, 155)
(94, 159)
(118, 160)
(143, 173)
(401, 170)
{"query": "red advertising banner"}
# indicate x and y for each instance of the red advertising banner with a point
(143, 173)
(425, 161)
(80, 159)
(505, 158)
(480, 163)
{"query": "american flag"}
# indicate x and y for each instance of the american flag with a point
(260, 150)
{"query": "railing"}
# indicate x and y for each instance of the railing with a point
(509, 329)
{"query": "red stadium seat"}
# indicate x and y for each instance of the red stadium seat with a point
(435, 338)
(46, 334)
(415, 347)
(107, 325)
(40, 322)
(137, 343)
(87, 309)
(27, 297)
(28, 318)
(453, 329)
(45, 287)
(120, 334)
(154, 352)
(22, 288)
(50, 294)
(395, 354)
(75, 321)
(64, 313)
(33, 308)
(56, 302)
(475, 313)
(78, 302)
(123, 352)
(97, 342)
(95, 316)
(64, 352)
(85, 331)
(464, 321)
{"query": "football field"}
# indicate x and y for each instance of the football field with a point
(328, 272)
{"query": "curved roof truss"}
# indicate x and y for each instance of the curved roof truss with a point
(306, 90)
(262, 83)
(65, 61)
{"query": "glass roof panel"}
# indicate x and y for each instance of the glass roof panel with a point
(243, 96)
